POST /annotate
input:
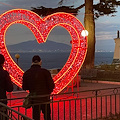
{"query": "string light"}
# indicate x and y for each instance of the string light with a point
(41, 29)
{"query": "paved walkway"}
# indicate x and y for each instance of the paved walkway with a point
(87, 85)
(94, 85)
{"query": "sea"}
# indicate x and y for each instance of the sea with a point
(56, 60)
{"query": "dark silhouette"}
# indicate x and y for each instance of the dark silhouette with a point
(5, 85)
(39, 82)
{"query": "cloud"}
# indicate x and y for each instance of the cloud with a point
(58, 30)
(105, 35)
(60, 34)
(107, 26)
(106, 30)
(18, 33)
(27, 4)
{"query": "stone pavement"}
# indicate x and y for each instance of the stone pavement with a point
(85, 85)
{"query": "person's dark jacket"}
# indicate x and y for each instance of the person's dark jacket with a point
(5, 84)
(38, 80)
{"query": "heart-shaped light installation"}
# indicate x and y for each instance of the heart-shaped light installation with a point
(41, 29)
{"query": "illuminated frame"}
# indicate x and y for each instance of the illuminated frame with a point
(41, 29)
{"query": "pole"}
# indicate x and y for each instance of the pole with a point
(17, 56)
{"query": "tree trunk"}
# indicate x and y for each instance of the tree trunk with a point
(90, 27)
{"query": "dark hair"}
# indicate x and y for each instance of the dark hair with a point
(36, 59)
(2, 59)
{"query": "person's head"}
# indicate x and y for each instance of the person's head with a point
(2, 59)
(36, 60)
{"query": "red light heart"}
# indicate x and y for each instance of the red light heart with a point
(41, 29)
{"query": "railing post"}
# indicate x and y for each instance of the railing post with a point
(64, 108)
(80, 109)
(115, 91)
(91, 108)
(101, 106)
(58, 110)
(75, 110)
(106, 104)
(52, 108)
(96, 94)
(69, 110)
(86, 108)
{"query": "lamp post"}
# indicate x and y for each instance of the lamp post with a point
(17, 56)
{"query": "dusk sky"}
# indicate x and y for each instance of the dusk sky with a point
(106, 26)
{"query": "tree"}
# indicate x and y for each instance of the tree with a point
(92, 12)
(90, 27)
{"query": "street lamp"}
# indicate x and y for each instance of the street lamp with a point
(17, 56)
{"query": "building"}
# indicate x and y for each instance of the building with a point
(116, 57)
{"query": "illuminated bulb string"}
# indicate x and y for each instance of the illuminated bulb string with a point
(41, 28)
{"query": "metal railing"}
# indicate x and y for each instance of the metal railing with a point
(82, 105)
(7, 113)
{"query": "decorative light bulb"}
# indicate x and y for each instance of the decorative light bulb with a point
(84, 33)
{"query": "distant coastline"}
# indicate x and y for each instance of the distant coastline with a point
(39, 51)
(102, 51)
(49, 46)
(33, 46)
(57, 60)
(52, 53)
(103, 57)
(45, 51)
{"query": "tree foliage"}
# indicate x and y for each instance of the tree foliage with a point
(43, 11)
(105, 7)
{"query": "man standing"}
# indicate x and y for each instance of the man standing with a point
(39, 82)
(5, 83)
